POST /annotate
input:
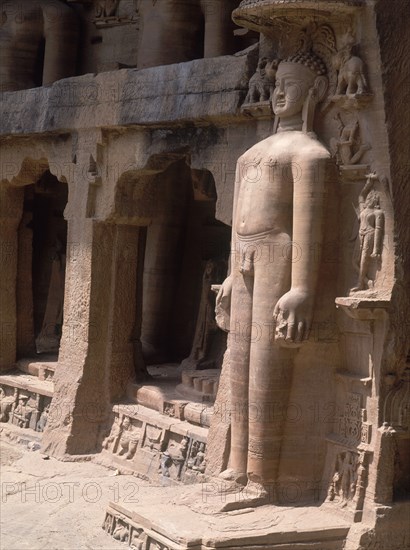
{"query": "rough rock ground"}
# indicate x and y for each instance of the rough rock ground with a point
(47, 504)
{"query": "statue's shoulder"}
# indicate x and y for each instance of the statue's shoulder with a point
(311, 147)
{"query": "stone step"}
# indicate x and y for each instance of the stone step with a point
(43, 369)
(180, 527)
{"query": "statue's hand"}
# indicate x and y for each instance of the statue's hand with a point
(223, 305)
(293, 317)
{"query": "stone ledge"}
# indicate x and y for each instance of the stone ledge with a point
(159, 96)
(180, 528)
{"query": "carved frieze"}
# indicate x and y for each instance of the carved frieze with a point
(24, 408)
(155, 450)
(352, 426)
(348, 485)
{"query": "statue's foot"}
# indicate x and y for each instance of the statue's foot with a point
(253, 495)
(233, 476)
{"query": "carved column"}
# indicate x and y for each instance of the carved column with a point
(163, 258)
(169, 32)
(100, 331)
(11, 207)
(219, 37)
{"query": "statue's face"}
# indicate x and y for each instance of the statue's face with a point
(293, 82)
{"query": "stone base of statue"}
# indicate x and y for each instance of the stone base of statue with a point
(180, 526)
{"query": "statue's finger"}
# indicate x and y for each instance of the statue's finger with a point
(290, 335)
(301, 331)
(308, 326)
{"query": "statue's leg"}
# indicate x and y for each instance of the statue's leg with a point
(270, 366)
(239, 345)
(365, 260)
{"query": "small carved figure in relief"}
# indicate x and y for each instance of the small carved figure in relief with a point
(347, 148)
(138, 539)
(197, 459)
(42, 422)
(106, 8)
(350, 80)
(344, 480)
(121, 531)
(112, 437)
(361, 481)
(22, 412)
(175, 454)
(6, 404)
(205, 346)
(108, 523)
(262, 83)
(371, 233)
(129, 439)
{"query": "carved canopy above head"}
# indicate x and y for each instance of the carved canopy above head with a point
(260, 15)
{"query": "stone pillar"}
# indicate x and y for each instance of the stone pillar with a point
(169, 32)
(163, 259)
(124, 350)
(61, 40)
(219, 37)
(96, 359)
(25, 308)
(11, 207)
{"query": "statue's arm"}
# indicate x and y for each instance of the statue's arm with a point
(379, 234)
(294, 311)
(308, 210)
(223, 299)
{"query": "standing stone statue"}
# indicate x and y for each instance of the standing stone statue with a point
(371, 233)
(278, 209)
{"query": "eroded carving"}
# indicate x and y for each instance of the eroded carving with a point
(353, 427)
(123, 438)
(106, 8)
(21, 413)
(42, 422)
(371, 233)
(196, 459)
(174, 455)
(396, 414)
(345, 479)
(351, 80)
(209, 343)
(262, 83)
(6, 405)
(348, 148)
(128, 440)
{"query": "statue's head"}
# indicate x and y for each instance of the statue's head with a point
(300, 78)
(372, 200)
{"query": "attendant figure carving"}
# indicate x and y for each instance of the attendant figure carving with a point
(347, 148)
(371, 233)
